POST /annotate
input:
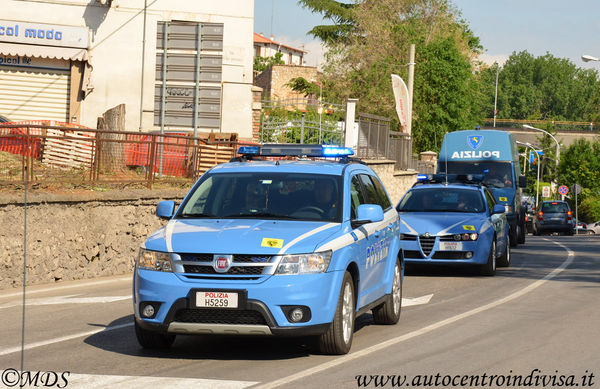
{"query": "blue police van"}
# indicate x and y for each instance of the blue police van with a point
(272, 247)
(493, 154)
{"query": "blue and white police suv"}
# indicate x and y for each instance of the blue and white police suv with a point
(454, 220)
(263, 247)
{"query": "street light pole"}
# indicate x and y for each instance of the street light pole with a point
(554, 139)
(496, 94)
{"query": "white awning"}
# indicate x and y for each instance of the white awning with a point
(66, 53)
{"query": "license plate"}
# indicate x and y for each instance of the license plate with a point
(450, 246)
(216, 299)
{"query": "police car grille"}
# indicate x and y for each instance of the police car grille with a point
(197, 257)
(449, 255)
(427, 244)
(220, 316)
(239, 258)
(413, 254)
(234, 270)
(408, 237)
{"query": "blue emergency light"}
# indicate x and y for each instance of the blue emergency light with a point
(296, 150)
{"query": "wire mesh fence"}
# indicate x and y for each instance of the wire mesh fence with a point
(40, 153)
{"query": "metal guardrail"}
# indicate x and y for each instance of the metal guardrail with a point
(42, 154)
(558, 125)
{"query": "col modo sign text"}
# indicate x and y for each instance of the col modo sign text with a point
(43, 34)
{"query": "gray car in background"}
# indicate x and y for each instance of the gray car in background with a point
(553, 216)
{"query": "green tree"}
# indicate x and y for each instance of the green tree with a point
(302, 85)
(447, 91)
(543, 88)
(580, 163)
(339, 13)
(263, 63)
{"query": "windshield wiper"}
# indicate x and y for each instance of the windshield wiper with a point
(195, 215)
(259, 214)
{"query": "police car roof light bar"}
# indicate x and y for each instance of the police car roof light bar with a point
(296, 150)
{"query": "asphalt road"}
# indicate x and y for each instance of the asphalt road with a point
(541, 313)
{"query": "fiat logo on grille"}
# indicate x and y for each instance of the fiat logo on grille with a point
(222, 263)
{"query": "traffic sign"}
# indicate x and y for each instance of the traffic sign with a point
(577, 188)
(546, 191)
(563, 190)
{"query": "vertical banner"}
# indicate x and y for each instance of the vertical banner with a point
(402, 101)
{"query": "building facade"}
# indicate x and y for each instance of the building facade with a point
(71, 60)
(265, 47)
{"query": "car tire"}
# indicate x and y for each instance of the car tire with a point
(489, 268)
(153, 340)
(504, 260)
(389, 312)
(522, 233)
(514, 235)
(338, 338)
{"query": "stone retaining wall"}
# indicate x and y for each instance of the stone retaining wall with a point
(75, 237)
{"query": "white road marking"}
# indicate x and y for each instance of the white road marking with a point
(407, 302)
(71, 299)
(29, 346)
(369, 350)
(70, 286)
(84, 381)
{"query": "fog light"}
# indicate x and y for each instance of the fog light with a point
(148, 311)
(296, 315)
(457, 237)
(469, 254)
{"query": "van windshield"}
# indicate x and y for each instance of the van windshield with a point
(495, 174)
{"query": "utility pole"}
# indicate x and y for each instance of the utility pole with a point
(411, 80)
(496, 94)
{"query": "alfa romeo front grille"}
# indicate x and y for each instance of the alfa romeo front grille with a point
(427, 243)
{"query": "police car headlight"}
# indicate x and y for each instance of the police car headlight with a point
(154, 260)
(508, 208)
(304, 263)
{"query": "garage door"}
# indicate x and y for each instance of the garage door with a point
(34, 94)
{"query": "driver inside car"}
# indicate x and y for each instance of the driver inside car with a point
(324, 196)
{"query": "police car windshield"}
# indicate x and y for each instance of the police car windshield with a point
(442, 200)
(495, 174)
(285, 196)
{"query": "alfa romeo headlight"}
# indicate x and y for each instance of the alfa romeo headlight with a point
(304, 263)
(154, 260)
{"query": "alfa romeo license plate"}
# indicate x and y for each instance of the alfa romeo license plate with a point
(216, 299)
(450, 246)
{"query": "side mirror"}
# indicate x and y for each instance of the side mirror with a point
(165, 209)
(498, 209)
(367, 213)
(522, 181)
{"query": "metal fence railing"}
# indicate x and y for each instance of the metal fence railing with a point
(59, 154)
(301, 131)
(373, 136)
(558, 125)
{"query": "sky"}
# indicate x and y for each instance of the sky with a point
(563, 28)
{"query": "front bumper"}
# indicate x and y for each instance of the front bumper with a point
(261, 311)
(418, 252)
